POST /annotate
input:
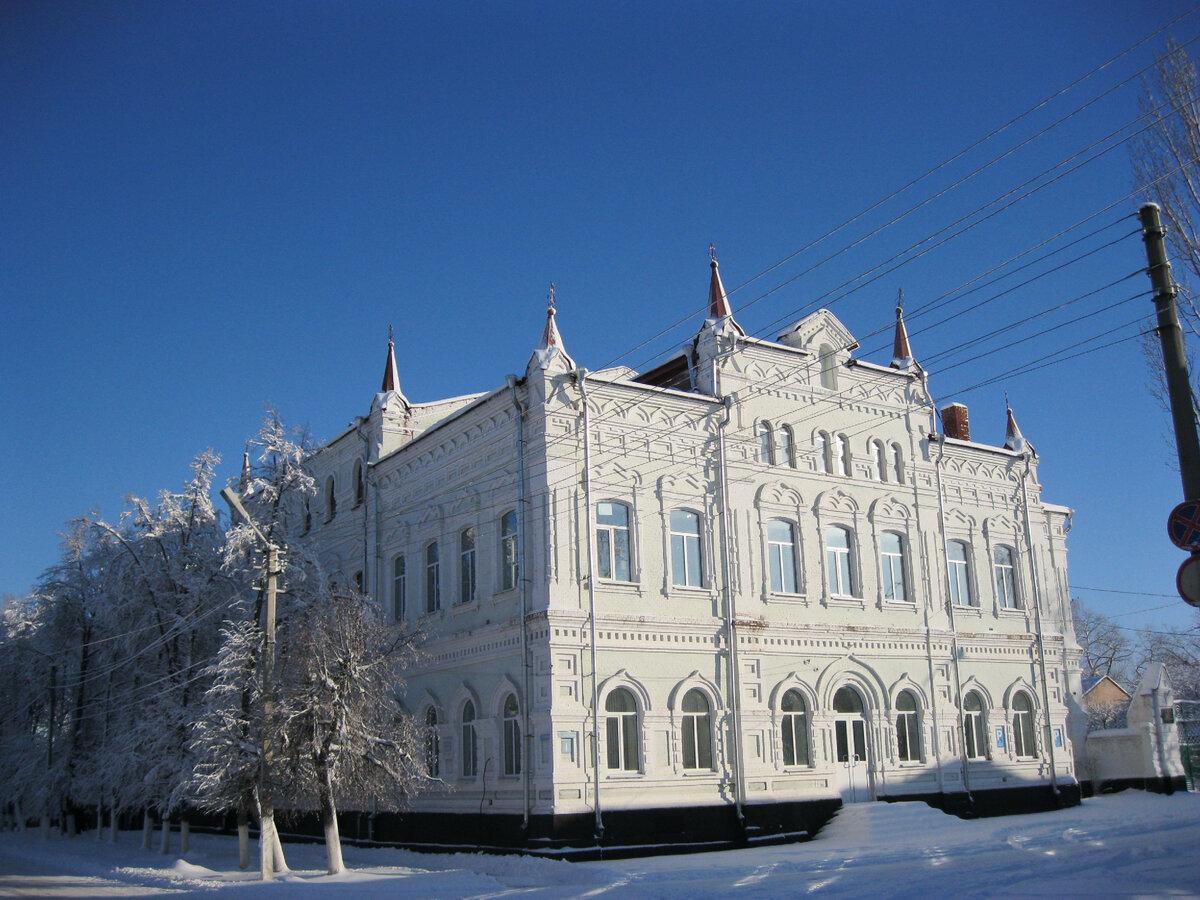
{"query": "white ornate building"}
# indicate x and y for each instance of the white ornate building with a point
(711, 601)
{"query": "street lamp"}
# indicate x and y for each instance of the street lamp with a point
(267, 836)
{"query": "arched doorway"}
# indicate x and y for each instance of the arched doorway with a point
(850, 746)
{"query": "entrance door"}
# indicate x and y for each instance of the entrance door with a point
(850, 747)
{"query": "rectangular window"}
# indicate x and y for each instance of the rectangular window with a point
(891, 563)
(957, 574)
(781, 553)
(466, 568)
(433, 579)
(612, 541)
(1006, 580)
(399, 591)
(837, 561)
(509, 573)
(686, 570)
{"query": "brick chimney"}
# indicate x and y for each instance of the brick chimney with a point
(954, 422)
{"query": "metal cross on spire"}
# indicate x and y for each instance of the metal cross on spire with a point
(712, 252)
(550, 296)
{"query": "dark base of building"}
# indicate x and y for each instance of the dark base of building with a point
(1160, 785)
(999, 801)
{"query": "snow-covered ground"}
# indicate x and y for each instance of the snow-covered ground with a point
(1128, 845)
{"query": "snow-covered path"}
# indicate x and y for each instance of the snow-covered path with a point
(1131, 845)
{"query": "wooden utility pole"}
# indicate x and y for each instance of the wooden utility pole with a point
(1179, 388)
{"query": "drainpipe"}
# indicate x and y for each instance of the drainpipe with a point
(523, 578)
(730, 608)
(581, 380)
(941, 494)
(1037, 612)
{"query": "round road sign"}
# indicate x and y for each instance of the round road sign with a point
(1183, 525)
(1187, 582)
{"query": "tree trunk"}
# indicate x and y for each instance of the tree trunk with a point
(184, 835)
(164, 845)
(243, 828)
(147, 828)
(280, 862)
(333, 840)
(266, 845)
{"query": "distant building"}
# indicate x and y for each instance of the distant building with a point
(710, 601)
(1102, 691)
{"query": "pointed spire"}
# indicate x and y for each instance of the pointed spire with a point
(244, 481)
(901, 352)
(718, 302)
(552, 342)
(1013, 439)
(391, 375)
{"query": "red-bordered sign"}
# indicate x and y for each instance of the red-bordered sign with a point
(1183, 525)
(1187, 582)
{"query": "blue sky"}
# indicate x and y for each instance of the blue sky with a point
(211, 207)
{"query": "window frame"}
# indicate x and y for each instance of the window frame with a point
(510, 564)
(784, 556)
(360, 486)
(1024, 733)
(840, 560)
(608, 544)
(766, 443)
(696, 754)
(470, 741)
(433, 749)
(958, 575)
(787, 446)
(433, 578)
(330, 498)
(794, 724)
(399, 587)
(974, 727)
(686, 540)
(889, 561)
(467, 587)
(622, 730)
(1004, 577)
(908, 728)
(511, 733)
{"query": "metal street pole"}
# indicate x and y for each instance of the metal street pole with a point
(1179, 388)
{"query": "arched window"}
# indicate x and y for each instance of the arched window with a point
(846, 700)
(1006, 578)
(612, 541)
(360, 484)
(787, 446)
(307, 516)
(697, 731)
(828, 367)
(825, 445)
(432, 749)
(879, 465)
(470, 742)
(466, 565)
(399, 588)
(686, 567)
(891, 565)
(958, 573)
(766, 444)
(509, 564)
(512, 736)
(838, 560)
(908, 728)
(794, 726)
(781, 556)
(897, 464)
(621, 731)
(843, 447)
(433, 579)
(330, 499)
(1022, 719)
(974, 728)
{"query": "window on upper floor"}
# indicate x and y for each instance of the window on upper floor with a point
(432, 744)
(794, 729)
(844, 455)
(613, 541)
(838, 560)
(781, 556)
(825, 448)
(958, 573)
(433, 579)
(399, 588)
(686, 567)
(470, 742)
(509, 564)
(1024, 744)
(466, 565)
(360, 484)
(330, 499)
(622, 731)
(879, 463)
(974, 727)
(897, 464)
(1005, 571)
(766, 444)
(891, 566)
(787, 446)
(908, 728)
(512, 736)
(697, 731)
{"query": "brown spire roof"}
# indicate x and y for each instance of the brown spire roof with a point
(1013, 439)
(391, 375)
(901, 352)
(718, 302)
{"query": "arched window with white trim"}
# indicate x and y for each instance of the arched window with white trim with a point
(1024, 745)
(793, 720)
(787, 446)
(509, 565)
(512, 736)
(622, 731)
(466, 565)
(974, 727)
(470, 742)
(696, 724)
(908, 728)
(766, 443)
(433, 761)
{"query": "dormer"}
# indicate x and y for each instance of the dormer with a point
(824, 337)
